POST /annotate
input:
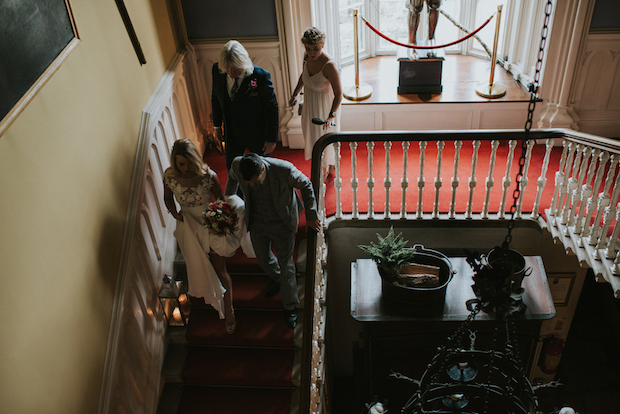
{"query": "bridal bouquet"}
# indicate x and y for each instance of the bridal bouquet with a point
(220, 218)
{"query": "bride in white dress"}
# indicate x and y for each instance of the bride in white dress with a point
(194, 186)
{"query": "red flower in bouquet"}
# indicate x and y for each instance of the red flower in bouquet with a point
(220, 218)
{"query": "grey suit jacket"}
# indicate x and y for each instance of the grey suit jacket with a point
(283, 178)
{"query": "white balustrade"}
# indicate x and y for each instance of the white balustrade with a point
(422, 145)
(455, 177)
(370, 181)
(387, 181)
(440, 145)
(472, 178)
(404, 181)
(489, 179)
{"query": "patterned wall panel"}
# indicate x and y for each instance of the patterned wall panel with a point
(136, 346)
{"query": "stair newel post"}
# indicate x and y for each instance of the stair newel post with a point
(489, 180)
(387, 181)
(404, 181)
(472, 178)
(370, 181)
(421, 178)
(507, 180)
(438, 182)
(455, 178)
(542, 180)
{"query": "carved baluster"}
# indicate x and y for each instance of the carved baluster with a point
(542, 180)
(440, 145)
(576, 196)
(615, 268)
(404, 181)
(573, 183)
(507, 180)
(490, 181)
(603, 158)
(586, 192)
(603, 201)
(370, 181)
(421, 178)
(387, 181)
(455, 177)
(354, 182)
(559, 178)
(322, 192)
(610, 251)
(524, 179)
(610, 213)
(338, 181)
(564, 185)
(472, 178)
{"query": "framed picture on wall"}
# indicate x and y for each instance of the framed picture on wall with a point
(36, 36)
(561, 285)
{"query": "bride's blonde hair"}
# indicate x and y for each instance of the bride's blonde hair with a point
(186, 149)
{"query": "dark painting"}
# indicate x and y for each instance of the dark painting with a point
(32, 35)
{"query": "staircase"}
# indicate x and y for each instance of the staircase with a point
(255, 369)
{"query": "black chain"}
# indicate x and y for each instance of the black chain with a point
(533, 88)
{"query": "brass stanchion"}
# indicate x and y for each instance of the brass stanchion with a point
(493, 90)
(357, 92)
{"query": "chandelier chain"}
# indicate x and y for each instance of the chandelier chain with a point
(533, 88)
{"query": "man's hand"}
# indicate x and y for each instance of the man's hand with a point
(268, 147)
(314, 224)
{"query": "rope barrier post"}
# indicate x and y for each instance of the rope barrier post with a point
(357, 92)
(493, 90)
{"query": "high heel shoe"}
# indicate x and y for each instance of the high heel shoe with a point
(230, 328)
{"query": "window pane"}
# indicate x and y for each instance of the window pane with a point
(446, 31)
(393, 22)
(346, 32)
(484, 10)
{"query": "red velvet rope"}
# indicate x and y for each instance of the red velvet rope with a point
(428, 47)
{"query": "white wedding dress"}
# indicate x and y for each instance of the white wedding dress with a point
(195, 241)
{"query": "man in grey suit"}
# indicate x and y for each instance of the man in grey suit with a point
(272, 208)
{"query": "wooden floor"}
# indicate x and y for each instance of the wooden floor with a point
(461, 75)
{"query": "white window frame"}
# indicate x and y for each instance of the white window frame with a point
(521, 33)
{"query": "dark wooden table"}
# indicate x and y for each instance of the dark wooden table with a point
(394, 341)
(367, 303)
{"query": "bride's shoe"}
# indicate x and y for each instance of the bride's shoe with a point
(230, 328)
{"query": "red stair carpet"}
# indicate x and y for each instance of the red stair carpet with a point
(248, 371)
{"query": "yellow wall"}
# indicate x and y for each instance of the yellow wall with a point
(65, 169)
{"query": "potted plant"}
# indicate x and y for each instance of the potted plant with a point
(410, 276)
(390, 254)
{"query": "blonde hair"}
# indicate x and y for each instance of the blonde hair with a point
(234, 55)
(186, 149)
(313, 36)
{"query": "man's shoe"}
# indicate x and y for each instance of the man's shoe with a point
(290, 318)
(272, 289)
